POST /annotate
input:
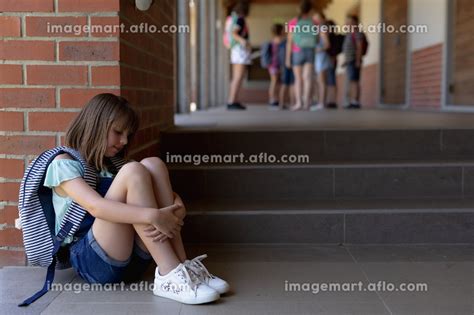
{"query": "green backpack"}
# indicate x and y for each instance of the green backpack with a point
(228, 37)
(303, 34)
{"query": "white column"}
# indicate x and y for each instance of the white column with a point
(203, 53)
(183, 67)
(213, 46)
(223, 65)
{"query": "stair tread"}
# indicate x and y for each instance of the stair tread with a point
(332, 164)
(333, 206)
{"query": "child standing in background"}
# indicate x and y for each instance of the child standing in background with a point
(275, 65)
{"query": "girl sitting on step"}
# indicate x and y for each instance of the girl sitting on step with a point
(134, 217)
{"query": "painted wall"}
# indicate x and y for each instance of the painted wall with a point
(263, 16)
(436, 21)
(370, 14)
(338, 9)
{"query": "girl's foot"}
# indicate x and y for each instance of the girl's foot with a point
(317, 107)
(183, 286)
(295, 108)
(196, 266)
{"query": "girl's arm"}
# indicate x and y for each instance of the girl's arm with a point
(181, 211)
(163, 219)
(239, 38)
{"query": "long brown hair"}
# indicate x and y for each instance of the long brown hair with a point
(88, 131)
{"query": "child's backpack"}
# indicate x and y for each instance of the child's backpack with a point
(336, 42)
(364, 41)
(266, 55)
(37, 214)
(227, 37)
(303, 34)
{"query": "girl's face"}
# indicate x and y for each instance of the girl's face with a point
(117, 139)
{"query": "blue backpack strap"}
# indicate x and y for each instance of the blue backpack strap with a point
(52, 267)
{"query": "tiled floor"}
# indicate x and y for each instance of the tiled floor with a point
(260, 117)
(261, 275)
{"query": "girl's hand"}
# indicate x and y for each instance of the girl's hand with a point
(155, 234)
(165, 221)
(181, 211)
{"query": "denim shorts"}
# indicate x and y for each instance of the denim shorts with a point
(287, 77)
(353, 72)
(305, 55)
(93, 264)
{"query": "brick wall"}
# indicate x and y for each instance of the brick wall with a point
(46, 78)
(426, 74)
(147, 71)
(369, 86)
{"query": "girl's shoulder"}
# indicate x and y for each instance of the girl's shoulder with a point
(64, 156)
(62, 169)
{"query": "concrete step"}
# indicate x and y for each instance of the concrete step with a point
(420, 221)
(324, 145)
(326, 181)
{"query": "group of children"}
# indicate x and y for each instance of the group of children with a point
(296, 55)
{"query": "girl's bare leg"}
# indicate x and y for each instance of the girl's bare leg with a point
(283, 90)
(132, 185)
(163, 196)
(298, 71)
(238, 72)
(307, 84)
(273, 90)
(322, 88)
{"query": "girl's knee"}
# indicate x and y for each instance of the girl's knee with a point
(134, 170)
(154, 163)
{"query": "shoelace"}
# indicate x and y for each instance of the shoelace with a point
(196, 263)
(192, 282)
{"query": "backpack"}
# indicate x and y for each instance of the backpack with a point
(228, 37)
(303, 34)
(364, 41)
(336, 42)
(266, 55)
(35, 205)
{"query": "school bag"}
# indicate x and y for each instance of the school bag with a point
(227, 36)
(303, 34)
(336, 42)
(37, 215)
(266, 55)
(364, 42)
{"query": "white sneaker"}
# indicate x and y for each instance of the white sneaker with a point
(316, 107)
(195, 265)
(180, 286)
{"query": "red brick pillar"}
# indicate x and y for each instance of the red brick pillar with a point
(426, 76)
(46, 78)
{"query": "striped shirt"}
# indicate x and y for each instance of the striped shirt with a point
(349, 46)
